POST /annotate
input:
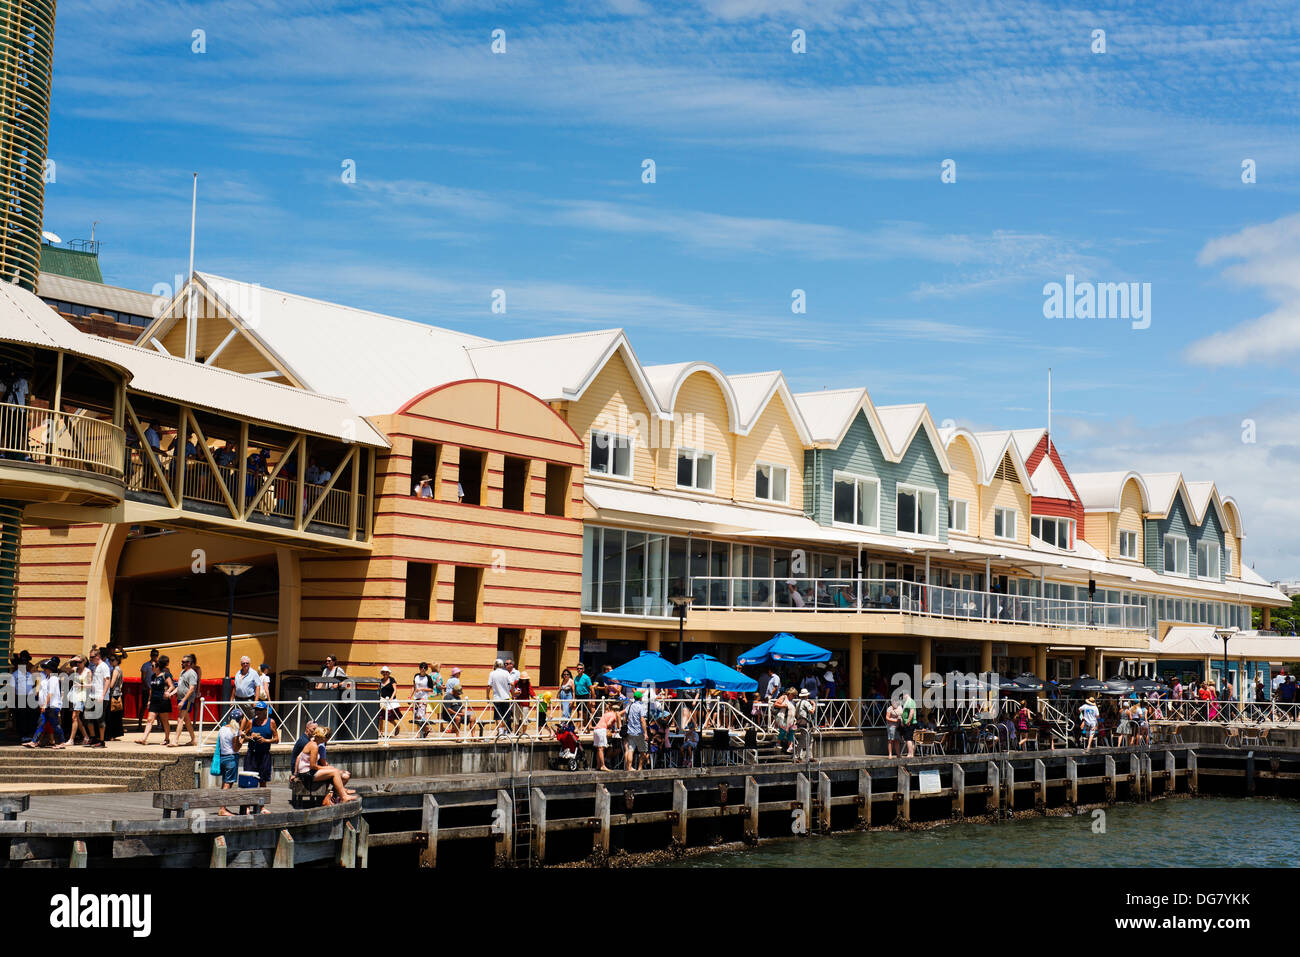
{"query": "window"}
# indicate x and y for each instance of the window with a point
(857, 501)
(1004, 523)
(465, 601)
(471, 476)
(1227, 560)
(611, 455)
(510, 646)
(957, 510)
(425, 459)
(514, 485)
(557, 488)
(420, 578)
(918, 511)
(552, 658)
(772, 483)
(1128, 544)
(1053, 531)
(1207, 559)
(1175, 555)
(695, 469)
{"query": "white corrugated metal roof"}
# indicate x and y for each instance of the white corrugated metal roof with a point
(24, 317)
(553, 368)
(1200, 640)
(376, 362)
(1161, 488)
(899, 423)
(692, 513)
(179, 380)
(752, 391)
(1102, 490)
(85, 293)
(827, 412)
(1047, 481)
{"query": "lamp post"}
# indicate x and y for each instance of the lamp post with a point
(232, 571)
(1225, 634)
(681, 604)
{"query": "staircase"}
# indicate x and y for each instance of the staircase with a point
(92, 771)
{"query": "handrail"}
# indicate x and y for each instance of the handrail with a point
(61, 439)
(886, 595)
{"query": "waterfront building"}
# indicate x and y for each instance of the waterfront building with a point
(576, 499)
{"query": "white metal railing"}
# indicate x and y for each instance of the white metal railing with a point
(61, 439)
(913, 598)
(833, 714)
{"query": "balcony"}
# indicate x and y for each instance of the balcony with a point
(60, 456)
(831, 597)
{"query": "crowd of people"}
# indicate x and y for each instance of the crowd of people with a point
(55, 703)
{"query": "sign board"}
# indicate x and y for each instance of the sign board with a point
(927, 782)
(595, 645)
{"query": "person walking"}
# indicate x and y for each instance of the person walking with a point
(634, 748)
(146, 676)
(161, 684)
(186, 694)
(805, 710)
(565, 694)
(521, 690)
(908, 725)
(116, 699)
(390, 715)
(78, 694)
(1088, 718)
(97, 703)
(499, 691)
(49, 698)
(25, 706)
(423, 685)
(243, 687)
(582, 693)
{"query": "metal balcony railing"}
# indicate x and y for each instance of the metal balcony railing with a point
(882, 596)
(61, 440)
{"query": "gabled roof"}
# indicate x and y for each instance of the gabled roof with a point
(755, 391)
(1163, 486)
(314, 341)
(1026, 441)
(992, 447)
(1103, 491)
(1231, 503)
(901, 424)
(84, 292)
(1202, 495)
(25, 318)
(1047, 481)
(666, 380)
(831, 412)
(559, 368)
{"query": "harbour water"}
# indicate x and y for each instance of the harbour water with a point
(1195, 832)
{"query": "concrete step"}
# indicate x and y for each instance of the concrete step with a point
(57, 788)
(13, 767)
(30, 773)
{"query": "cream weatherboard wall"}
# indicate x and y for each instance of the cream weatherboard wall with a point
(1005, 493)
(773, 440)
(700, 422)
(963, 482)
(1129, 519)
(613, 403)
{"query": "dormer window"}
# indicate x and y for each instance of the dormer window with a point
(1053, 531)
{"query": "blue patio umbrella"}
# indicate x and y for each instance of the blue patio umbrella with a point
(709, 672)
(785, 648)
(649, 667)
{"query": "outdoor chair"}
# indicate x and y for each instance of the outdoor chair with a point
(1250, 735)
(925, 742)
(1231, 736)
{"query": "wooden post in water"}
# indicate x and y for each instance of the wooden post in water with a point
(1072, 776)
(429, 824)
(1250, 772)
(79, 855)
(864, 795)
(1135, 777)
(803, 797)
(1112, 779)
(601, 840)
(1193, 778)
(1040, 778)
(348, 846)
(904, 788)
(218, 859)
(1171, 769)
(995, 787)
(1148, 775)
(751, 809)
(363, 844)
(538, 808)
(958, 791)
(1009, 785)
(680, 804)
(283, 850)
(824, 802)
(503, 823)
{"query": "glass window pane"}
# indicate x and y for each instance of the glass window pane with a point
(844, 510)
(704, 472)
(634, 574)
(656, 603)
(780, 480)
(685, 468)
(906, 511)
(623, 458)
(867, 495)
(611, 599)
(763, 482)
(599, 453)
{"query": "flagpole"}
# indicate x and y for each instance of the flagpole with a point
(191, 335)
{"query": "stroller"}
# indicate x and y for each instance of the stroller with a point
(570, 756)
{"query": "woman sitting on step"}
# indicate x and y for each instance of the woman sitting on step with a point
(309, 769)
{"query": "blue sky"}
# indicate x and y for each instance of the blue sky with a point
(775, 171)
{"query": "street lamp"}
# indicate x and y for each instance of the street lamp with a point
(232, 570)
(1225, 634)
(681, 604)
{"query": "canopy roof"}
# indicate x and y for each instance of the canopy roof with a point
(784, 648)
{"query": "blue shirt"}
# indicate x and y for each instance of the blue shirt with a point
(582, 685)
(636, 718)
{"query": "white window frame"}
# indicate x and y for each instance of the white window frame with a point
(1123, 532)
(1164, 563)
(771, 482)
(965, 515)
(1227, 561)
(902, 487)
(1070, 531)
(836, 476)
(1015, 521)
(609, 447)
(1218, 561)
(696, 455)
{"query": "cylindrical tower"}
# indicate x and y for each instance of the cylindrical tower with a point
(26, 61)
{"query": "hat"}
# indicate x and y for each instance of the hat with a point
(1092, 701)
(262, 665)
(789, 581)
(803, 692)
(385, 670)
(455, 671)
(260, 706)
(636, 695)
